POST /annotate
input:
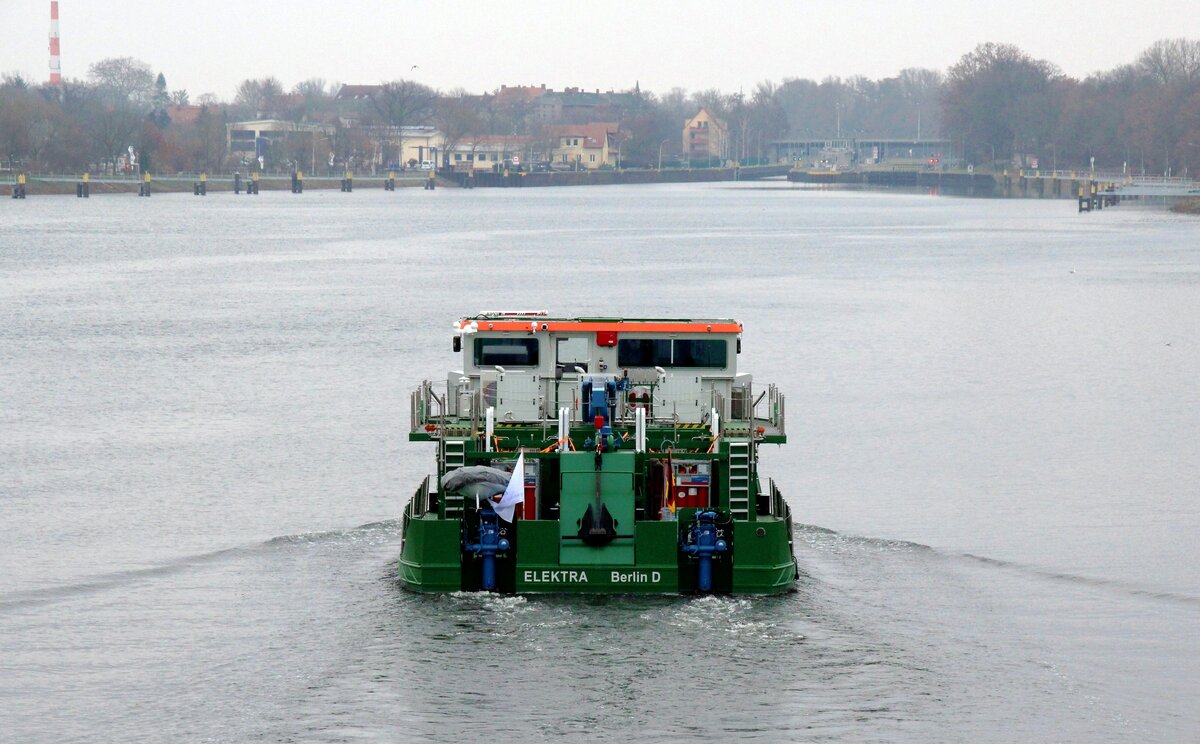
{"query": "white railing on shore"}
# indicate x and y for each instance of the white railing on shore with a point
(1179, 183)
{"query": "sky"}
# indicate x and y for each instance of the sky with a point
(209, 46)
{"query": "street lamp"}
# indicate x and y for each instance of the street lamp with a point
(660, 144)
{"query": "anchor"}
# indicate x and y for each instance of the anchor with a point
(597, 527)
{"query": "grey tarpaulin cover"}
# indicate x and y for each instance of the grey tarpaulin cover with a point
(476, 481)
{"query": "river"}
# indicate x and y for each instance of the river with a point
(993, 412)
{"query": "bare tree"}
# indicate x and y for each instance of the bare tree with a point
(1172, 61)
(313, 88)
(111, 128)
(402, 103)
(16, 118)
(998, 99)
(258, 95)
(123, 81)
(14, 80)
(458, 116)
(207, 146)
(768, 119)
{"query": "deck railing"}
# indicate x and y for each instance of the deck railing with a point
(420, 503)
(427, 407)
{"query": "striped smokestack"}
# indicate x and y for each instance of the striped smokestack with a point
(55, 63)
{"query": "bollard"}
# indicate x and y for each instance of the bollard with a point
(252, 187)
(348, 182)
(144, 187)
(18, 191)
(297, 182)
(237, 183)
(389, 183)
(203, 184)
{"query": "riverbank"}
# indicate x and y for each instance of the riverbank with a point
(614, 177)
(61, 186)
(1187, 206)
(1066, 185)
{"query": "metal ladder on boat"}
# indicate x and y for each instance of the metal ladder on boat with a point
(739, 479)
(454, 456)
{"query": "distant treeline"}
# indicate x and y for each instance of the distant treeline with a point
(997, 105)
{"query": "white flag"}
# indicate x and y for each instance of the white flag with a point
(515, 492)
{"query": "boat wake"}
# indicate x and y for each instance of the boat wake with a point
(831, 540)
(23, 599)
(1123, 586)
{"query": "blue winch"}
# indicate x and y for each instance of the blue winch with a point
(489, 544)
(599, 403)
(703, 543)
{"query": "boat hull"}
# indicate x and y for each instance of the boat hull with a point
(760, 561)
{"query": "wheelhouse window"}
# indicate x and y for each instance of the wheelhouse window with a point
(654, 352)
(506, 352)
(644, 352)
(700, 353)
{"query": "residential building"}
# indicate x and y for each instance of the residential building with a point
(182, 113)
(357, 92)
(583, 146)
(705, 136)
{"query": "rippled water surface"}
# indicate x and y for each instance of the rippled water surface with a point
(993, 409)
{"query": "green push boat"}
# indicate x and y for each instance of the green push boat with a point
(597, 455)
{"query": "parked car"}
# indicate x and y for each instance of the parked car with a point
(426, 165)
